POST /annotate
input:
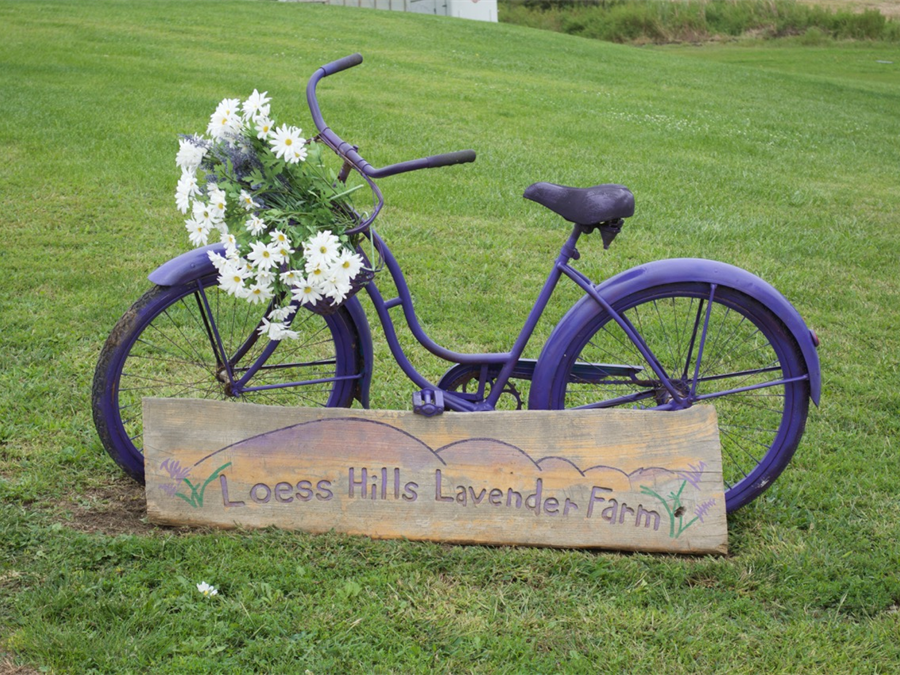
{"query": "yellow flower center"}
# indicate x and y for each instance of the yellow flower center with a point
(346, 264)
(287, 141)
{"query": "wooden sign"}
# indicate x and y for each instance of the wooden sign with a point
(616, 479)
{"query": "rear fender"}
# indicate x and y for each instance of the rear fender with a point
(675, 271)
(195, 264)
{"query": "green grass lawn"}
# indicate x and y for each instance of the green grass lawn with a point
(782, 160)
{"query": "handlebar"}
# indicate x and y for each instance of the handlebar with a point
(349, 152)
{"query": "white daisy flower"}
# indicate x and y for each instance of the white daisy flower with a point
(255, 225)
(279, 237)
(218, 261)
(231, 279)
(265, 277)
(206, 589)
(275, 330)
(336, 289)
(225, 123)
(321, 249)
(282, 313)
(230, 245)
(263, 128)
(290, 277)
(261, 255)
(347, 265)
(285, 142)
(282, 253)
(299, 155)
(306, 292)
(247, 201)
(316, 273)
(187, 187)
(259, 293)
(217, 203)
(198, 232)
(256, 105)
(203, 213)
(189, 155)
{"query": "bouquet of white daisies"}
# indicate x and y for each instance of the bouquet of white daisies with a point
(265, 193)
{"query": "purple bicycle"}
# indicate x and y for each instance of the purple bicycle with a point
(663, 336)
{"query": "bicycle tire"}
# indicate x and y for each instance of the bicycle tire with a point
(759, 429)
(161, 347)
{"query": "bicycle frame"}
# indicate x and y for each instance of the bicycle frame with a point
(507, 360)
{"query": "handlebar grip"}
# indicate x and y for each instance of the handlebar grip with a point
(342, 64)
(450, 158)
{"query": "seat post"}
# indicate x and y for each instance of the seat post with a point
(569, 251)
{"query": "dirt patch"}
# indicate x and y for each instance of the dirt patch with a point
(116, 508)
(8, 667)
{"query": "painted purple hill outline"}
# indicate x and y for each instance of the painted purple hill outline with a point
(640, 472)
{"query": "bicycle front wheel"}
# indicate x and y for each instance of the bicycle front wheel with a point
(181, 342)
(747, 369)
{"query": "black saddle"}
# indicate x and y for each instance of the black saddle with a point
(584, 206)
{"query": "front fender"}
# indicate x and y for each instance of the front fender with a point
(195, 264)
(708, 271)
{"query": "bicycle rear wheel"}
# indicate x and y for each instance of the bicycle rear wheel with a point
(165, 346)
(747, 356)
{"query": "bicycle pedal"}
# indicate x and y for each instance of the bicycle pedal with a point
(428, 402)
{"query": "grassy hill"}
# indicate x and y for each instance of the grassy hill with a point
(782, 161)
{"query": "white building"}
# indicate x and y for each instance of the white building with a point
(480, 10)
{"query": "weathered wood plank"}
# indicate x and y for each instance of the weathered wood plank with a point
(616, 479)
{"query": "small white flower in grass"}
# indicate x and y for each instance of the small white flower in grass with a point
(187, 187)
(347, 265)
(256, 226)
(189, 155)
(306, 292)
(206, 589)
(259, 293)
(247, 201)
(261, 255)
(256, 105)
(279, 237)
(263, 128)
(286, 142)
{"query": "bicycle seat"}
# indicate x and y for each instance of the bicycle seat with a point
(584, 206)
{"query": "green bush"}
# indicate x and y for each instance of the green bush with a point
(696, 20)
